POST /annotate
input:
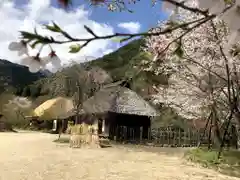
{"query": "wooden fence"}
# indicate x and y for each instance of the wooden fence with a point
(164, 136)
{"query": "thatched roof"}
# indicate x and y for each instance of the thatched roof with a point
(120, 100)
(56, 108)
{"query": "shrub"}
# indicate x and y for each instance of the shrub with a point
(229, 163)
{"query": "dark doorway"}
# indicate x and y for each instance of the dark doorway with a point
(128, 125)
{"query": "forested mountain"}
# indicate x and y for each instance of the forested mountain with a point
(118, 64)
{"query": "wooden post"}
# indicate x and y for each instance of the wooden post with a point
(125, 133)
(54, 125)
(133, 134)
(185, 137)
(189, 137)
(149, 134)
(161, 136)
(116, 134)
(158, 138)
(61, 130)
(179, 137)
(168, 136)
(174, 138)
(121, 133)
(198, 137)
(141, 134)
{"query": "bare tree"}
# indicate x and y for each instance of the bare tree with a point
(82, 82)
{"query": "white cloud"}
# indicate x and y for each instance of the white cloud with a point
(132, 27)
(33, 14)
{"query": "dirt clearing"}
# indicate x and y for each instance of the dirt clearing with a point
(33, 156)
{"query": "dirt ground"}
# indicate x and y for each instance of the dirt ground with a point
(34, 156)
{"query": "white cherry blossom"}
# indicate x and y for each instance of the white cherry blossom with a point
(34, 63)
(34, 67)
(189, 89)
(21, 47)
(54, 59)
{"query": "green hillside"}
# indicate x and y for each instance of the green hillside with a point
(16, 76)
(118, 64)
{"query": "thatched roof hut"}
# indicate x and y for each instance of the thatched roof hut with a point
(118, 99)
(116, 107)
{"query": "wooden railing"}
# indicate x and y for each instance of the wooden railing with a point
(164, 136)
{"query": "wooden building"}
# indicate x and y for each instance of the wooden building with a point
(115, 106)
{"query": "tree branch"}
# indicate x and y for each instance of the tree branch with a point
(201, 21)
(29, 37)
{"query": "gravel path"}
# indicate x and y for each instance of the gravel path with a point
(33, 156)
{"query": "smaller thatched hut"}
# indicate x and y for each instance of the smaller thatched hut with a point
(59, 108)
(119, 106)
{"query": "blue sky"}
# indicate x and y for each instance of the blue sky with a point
(28, 14)
(144, 13)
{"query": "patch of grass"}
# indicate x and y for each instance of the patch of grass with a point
(229, 163)
(62, 140)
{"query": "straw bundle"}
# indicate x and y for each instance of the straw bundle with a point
(83, 135)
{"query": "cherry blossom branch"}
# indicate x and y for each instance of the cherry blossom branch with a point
(203, 67)
(202, 21)
(226, 64)
(36, 38)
